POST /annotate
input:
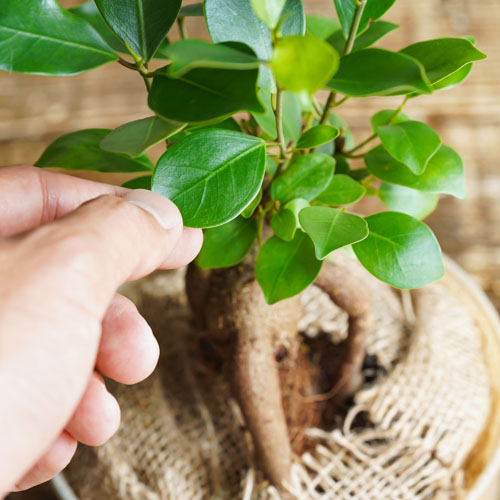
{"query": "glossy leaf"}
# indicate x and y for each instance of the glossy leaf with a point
(315, 136)
(226, 124)
(385, 116)
(444, 172)
(342, 190)
(212, 175)
(292, 125)
(250, 209)
(142, 24)
(418, 204)
(410, 142)
(227, 245)
(31, 30)
(268, 11)
(375, 32)
(143, 182)
(204, 94)
(306, 177)
(286, 222)
(444, 56)
(454, 79)
(303, 63)
(320, 26)
(330, 228)
(235, 21)
(195, 9)
(374, 9)
(191, 54)
(374, 71)
(283, 269)
(81, 151)
(136, 137)
(400, 250)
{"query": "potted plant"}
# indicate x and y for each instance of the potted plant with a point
(269, 172)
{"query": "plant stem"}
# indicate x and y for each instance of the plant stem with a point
(279, 124)
(349, 44)
(181, 22)
(139, 66)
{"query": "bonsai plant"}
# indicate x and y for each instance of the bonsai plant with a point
(270, 173)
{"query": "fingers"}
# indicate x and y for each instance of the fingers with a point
(97, 416)
(186, 249)
(52, 462)
(128, 351)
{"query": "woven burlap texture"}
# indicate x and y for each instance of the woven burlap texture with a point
(182, 438)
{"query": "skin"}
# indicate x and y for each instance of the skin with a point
(66, 245)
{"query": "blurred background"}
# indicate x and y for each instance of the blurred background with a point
(35, 110)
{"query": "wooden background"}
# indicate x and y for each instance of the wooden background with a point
(35, 110)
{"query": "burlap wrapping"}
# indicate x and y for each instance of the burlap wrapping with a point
(182, 437)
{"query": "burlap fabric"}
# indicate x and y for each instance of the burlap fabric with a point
(182, 437)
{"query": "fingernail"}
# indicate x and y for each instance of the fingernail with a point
(162, 209)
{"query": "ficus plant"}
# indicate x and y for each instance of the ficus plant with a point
(270, 173)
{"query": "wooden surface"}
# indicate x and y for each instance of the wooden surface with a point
(35, 110)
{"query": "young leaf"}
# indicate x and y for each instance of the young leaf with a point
(342, 190)
(283, 269)
(227, 245)
(268, 11)
(142, 24)
(81, 151)
(410, 142)
(400, 250)
(376, 31)
(30, 30)
(195, 9)
(235, 21)
(374, 9)
(320, 26)
(250, 209)
(292, 125)
(211, 175)
(373, 71)
(143, 182)
(136, 137)
(330, 228)
(444, 56)
(286, 222)
(418, 204)
(315, 136)
(444, 172)
(191, 54)
(306, 177)
(303, 63)
(204, 94)
(385, 116)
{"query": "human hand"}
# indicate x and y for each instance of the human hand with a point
(62, 325)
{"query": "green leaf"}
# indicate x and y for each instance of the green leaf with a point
(283, 269)
(187, 55)
(292, 124)
(306, 177)
(268, 11)
(212, 175)
(330, 228)
(303, 63)
(286, 222)
(374, 9)
(315, 136)
(250, 209)
(204, 94)
(375, 32)
(227, 245)
(142, 24)
(136, 137)
(374, 71)
(235, 21)
(444, 56)
(385, 116)
(227, 124)
(400, 250)
(410, 142)
(454, 79)
(342, 190)
(81, 151)
(320, 26)
(195, 10)
(143, 182)
(444, 172)
(418, 204)
(42, 38)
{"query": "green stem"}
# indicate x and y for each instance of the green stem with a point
(279, 124)
(181, 22)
